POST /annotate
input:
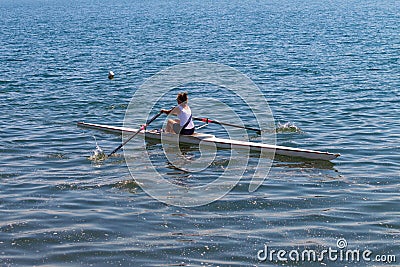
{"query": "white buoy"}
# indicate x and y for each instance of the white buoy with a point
(110, 75)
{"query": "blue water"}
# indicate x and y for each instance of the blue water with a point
(328, 68)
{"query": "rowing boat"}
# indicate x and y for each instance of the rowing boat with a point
(196, 138)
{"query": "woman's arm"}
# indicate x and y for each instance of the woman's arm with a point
(173, 111)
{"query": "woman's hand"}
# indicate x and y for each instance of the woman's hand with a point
(166, 111)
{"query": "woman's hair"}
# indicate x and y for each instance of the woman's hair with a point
(182, 97)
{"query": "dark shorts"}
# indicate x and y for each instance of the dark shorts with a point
(187, 131)
(177, 129)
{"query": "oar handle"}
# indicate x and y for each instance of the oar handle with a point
(207, 120)
(143, 127)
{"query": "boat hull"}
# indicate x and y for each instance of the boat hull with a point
(211, 140)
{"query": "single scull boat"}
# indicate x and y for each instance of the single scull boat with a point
(219, 142)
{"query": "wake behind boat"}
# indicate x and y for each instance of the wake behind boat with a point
(196, 138)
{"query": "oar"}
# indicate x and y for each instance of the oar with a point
(141, 129)
(207, 120)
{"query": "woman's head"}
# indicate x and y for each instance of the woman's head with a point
(182, 98)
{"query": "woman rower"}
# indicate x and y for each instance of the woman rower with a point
(184, 124)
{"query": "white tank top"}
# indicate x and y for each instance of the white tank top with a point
(184, 116)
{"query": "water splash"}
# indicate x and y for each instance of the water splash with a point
(98, 153)
(288, 127)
